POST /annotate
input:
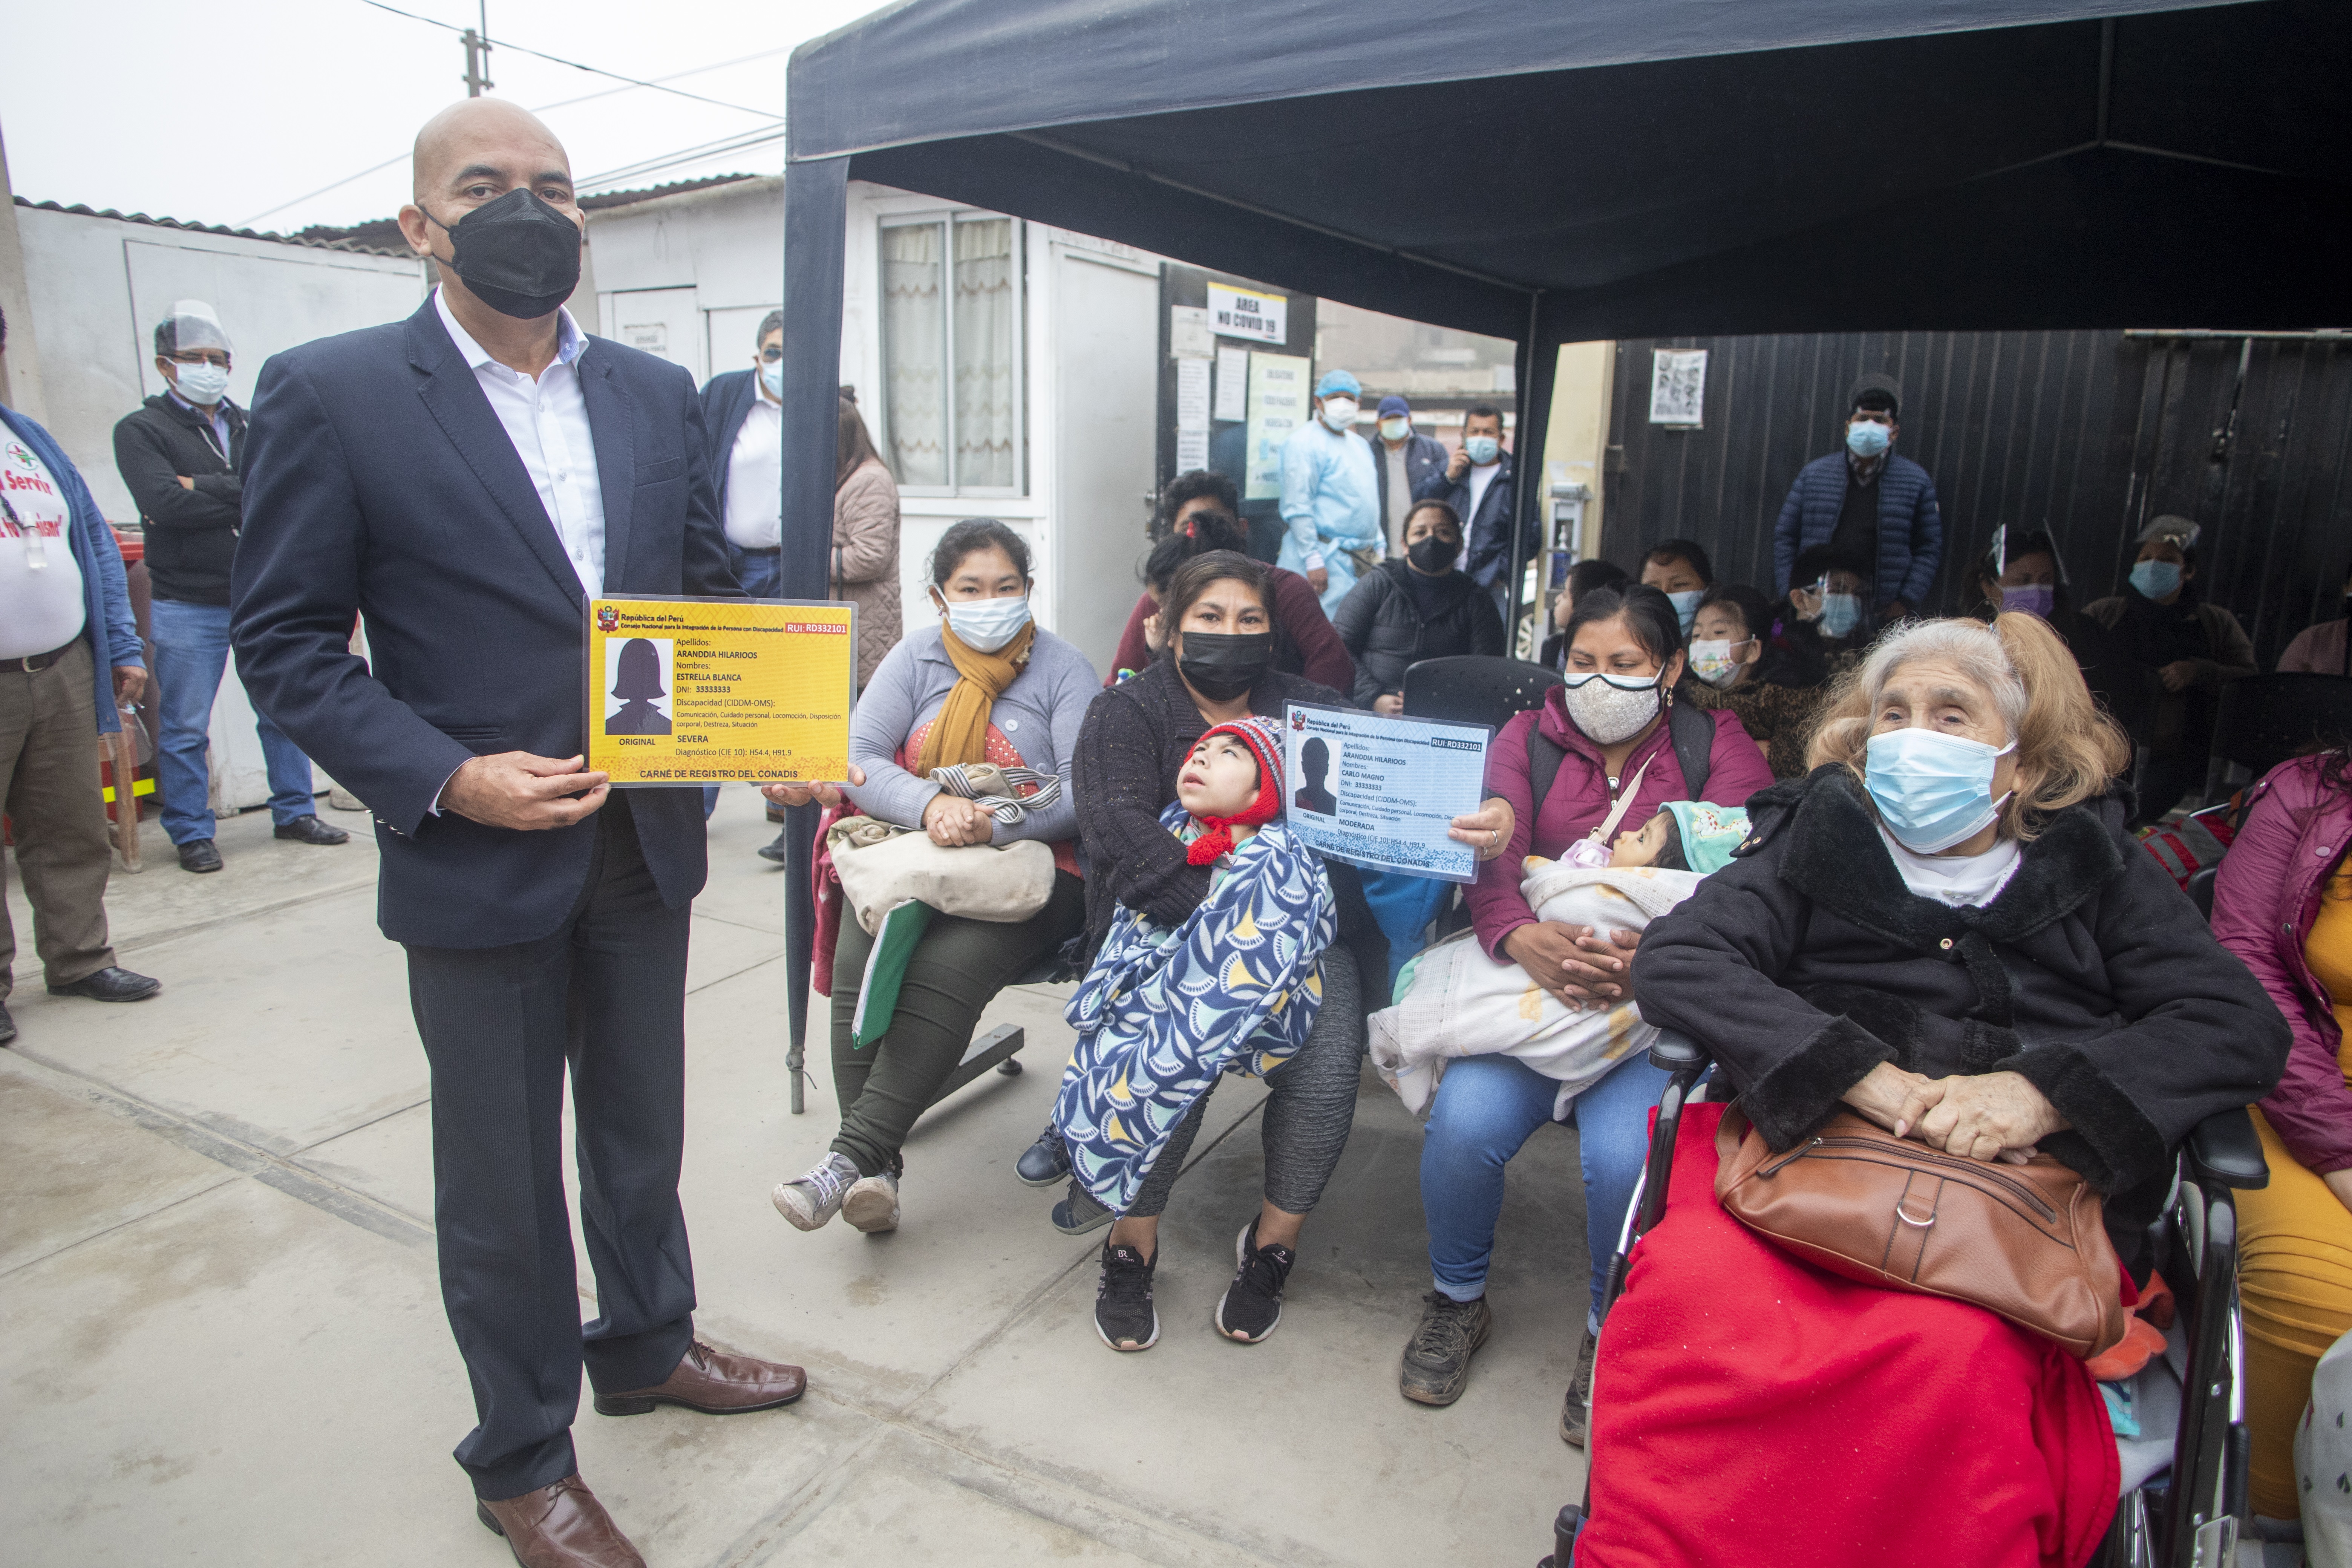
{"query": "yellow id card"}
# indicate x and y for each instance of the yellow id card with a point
(689, 692)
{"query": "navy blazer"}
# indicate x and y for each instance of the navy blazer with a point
(378, 478)
(727, 399)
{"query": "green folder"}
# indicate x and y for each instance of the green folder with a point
(902, 927)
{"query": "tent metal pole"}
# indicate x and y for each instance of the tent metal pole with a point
(816, 196)
(1537, 360)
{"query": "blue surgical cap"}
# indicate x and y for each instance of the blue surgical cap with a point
(1341, 383)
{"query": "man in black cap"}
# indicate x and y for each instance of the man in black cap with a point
(1866, 504)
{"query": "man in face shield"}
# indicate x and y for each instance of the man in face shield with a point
(182, 457)
(472, 476)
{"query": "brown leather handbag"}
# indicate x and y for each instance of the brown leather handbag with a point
(2023, 1241)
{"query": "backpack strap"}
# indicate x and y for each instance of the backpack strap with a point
(1693, 738)
(1544, 757)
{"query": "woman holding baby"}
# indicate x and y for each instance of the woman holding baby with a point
(1608, 740)
(1139, 755)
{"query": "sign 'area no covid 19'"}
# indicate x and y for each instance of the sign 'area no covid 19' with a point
(713, 690)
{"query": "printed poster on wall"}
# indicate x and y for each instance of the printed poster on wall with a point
(714, 691)
(1678, 388)
(1278, 389)
(1247, 313)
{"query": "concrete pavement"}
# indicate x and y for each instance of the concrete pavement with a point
(221, 1337)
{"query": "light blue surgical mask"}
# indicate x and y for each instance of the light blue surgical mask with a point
(201, 384)
(1841, 613)
(986, 625)
(1482, 449)
(1867, 437)
(2156, 579)
(1686, 606)
(771, 377)
(1932, 790)
(1395, 427)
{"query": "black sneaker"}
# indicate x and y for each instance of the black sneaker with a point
(780, 848)
(1124, 1315)
(1437, 1357)
(1045, 1162)
(199, 855)
(1252, 1304)
(1576, 1410)
(1077, 1213)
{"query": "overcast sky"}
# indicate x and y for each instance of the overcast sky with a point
(236, 112)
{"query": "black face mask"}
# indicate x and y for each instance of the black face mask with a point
(518, 255)
(1433, 555)
(1221, 666)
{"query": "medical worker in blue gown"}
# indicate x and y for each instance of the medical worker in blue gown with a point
(1331, 494)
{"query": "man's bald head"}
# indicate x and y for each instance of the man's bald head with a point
(471, 154)
(483, 131)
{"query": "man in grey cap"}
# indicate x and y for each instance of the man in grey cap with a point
(182, 457)
(1875, 510)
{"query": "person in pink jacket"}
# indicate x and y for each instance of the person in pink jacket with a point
(2282, 903)
(1615, 746)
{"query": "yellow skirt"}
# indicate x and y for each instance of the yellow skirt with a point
(2295, 1287)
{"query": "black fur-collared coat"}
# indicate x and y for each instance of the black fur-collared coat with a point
(1806, 961)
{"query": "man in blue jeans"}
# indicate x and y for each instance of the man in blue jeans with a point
(181, 456)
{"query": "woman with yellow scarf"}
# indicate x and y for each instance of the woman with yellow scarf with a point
(985, 685)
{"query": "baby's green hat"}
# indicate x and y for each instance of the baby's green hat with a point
(1711, 832)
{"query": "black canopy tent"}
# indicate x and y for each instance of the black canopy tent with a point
(1554, 170)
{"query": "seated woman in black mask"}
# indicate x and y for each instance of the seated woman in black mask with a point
(1416, 608)
(1134, 743)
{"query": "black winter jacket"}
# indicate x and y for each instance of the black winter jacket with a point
(191, 533)
(1806, 961)
(1380, 621)
(1132, 745)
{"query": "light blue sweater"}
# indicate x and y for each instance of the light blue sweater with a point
(1039, 714)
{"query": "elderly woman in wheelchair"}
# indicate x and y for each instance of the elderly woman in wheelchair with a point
(1946, 931)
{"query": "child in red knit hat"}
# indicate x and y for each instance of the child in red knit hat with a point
(1231, 783)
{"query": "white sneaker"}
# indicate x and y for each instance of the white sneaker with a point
(811, 1200)
(871, 1205)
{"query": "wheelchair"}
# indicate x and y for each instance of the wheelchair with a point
(2188, 1515)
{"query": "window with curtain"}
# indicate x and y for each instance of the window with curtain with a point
(951, 348)
(913, 354)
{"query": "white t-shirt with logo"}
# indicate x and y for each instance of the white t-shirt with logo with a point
(41, 605)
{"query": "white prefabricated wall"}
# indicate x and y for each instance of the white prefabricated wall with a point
(1086, 334)
(98, 286)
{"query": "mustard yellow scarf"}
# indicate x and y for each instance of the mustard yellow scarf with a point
(960, 734)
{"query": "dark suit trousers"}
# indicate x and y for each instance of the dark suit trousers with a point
(605, 995)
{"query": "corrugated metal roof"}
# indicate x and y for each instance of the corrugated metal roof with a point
(377, 237)
(80, 210)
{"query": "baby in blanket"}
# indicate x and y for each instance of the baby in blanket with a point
(1452, 1000)
(1234, 988)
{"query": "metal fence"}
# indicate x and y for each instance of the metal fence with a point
(2087, 433)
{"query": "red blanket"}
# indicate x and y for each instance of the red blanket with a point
(1749, 1408)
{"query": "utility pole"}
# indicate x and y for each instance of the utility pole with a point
(478, 54)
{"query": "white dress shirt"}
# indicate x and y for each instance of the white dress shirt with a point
(547, 420)
(755, 478)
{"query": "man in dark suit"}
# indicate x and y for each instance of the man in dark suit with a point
(469, 476)
(741, 415)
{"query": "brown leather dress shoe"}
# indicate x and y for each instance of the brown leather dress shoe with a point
(561, 1526)
(714, 1384)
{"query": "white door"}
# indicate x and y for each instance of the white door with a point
(663, 321)
(1107, 396)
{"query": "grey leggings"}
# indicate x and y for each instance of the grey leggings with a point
(1310, 1105)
